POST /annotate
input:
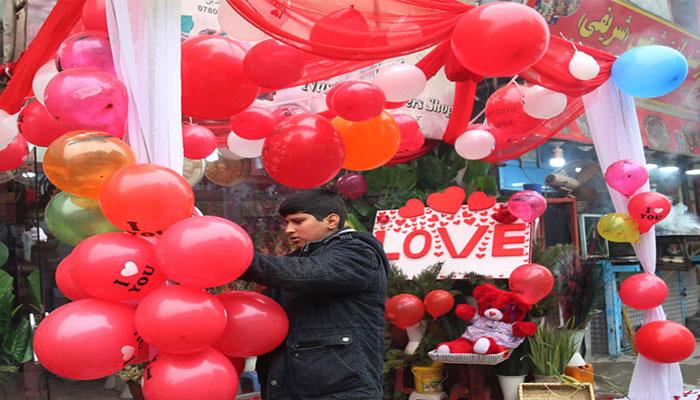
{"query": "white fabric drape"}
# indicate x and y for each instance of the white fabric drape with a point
(612, 119)
(145, 40)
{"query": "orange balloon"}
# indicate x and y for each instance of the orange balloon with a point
(368, 144)
(145, 199)
(79, 162)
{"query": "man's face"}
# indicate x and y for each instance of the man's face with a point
(302, 227)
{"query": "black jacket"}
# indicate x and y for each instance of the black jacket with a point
(334, 292)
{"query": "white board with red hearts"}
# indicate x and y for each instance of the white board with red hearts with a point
(468, 241)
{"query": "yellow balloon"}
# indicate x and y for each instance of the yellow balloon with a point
(79, 162)
(618, 227)
(368, 144)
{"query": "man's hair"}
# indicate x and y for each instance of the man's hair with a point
(319, 203)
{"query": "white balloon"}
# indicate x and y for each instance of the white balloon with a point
(583, 66)
(42, 78)
(475, 144)
(243, 147)
(542, 103)
(8, 128)
(236, 26)
(401, 82)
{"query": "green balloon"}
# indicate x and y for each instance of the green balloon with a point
(72, 218)
(4, 254)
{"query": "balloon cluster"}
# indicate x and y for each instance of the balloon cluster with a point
(405, 310)
(644, 209)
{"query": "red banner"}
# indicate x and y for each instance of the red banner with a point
(615, 26)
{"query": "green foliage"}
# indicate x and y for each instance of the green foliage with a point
(555, 258)
(581, 292)
(34, 280)
(517, 364)
(551, 350)
(15, 340)
(421, 284)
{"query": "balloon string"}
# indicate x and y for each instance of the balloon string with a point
(478, 115)
(568, 40)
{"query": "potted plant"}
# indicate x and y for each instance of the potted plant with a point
(512, 372)
(550, 351)
(581, 287)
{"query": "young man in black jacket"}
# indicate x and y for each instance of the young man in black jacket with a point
(333, 288)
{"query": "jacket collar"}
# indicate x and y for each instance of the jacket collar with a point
(311, 246)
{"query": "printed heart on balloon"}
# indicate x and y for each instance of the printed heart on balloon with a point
(480, 201)
(448, 201)
(412, 208)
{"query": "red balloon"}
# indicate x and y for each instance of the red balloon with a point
(504, 111)
(197, 141)
(115, 266)
(411, 136)
(14, 155)
(256, 324)
(273, 65)
(253, 123)
(342, 28)
(178, 319)
(648, 209)
(65, 282)
(665, 342)
(358, 101)
(38, 126)
(204, 251)
(531, 282)
(439, 302)
(207, 374)
(95, 15)
(214, 85)
(303, 152)
(404, 310)
(643, 291)
(331, 94)
(500, 39)
(145, 199)
(86, 339)
(390, 105)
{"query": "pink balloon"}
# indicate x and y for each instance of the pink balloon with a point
(273, 65)
(85, 50)
(178, 319)
(204, 251)
(643, 291)
(358, 101)
(87, 339)
(38, 126)
(527, 205)
(401, 82)
(83, 98)
(198, 141)
(531, 282)
(14, 155)
(115, 266)
(256, 324)
(648, 209)
(475, 144)
(626, 176)
(253, 123)
(411, 136)
(206, 374)
(65, 282)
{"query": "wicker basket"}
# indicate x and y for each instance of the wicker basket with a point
(469, 358)
(551, 391)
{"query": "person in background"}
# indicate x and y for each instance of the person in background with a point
(333, 288)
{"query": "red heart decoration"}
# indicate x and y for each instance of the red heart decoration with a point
(470, 221)
(466, 214)
(482, 248)
(456, 222)
(448, 201)
(483, 219)
(484, 213)
(480, 201)
(431, 225)
(400, 222)
(397, 230)
(434, 218)
(480, 255)
(438, 246)
(438, 253)
(443, 223)
(413, 208)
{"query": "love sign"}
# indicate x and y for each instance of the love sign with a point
(466, 241)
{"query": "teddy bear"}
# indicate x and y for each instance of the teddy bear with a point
(496, 326)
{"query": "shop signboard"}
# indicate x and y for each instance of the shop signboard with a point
(468, 241)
